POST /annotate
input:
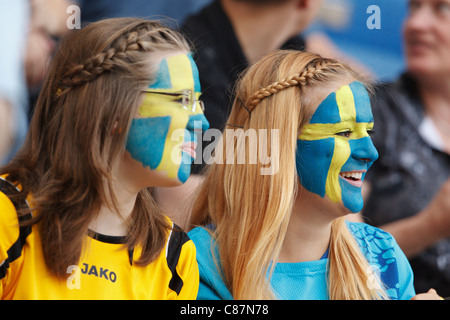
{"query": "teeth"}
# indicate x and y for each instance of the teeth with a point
(354, 175)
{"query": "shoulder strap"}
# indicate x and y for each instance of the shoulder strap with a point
(175, 243)
(16, 249)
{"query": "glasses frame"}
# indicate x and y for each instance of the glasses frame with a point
(186, 94)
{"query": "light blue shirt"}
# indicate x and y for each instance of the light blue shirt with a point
(308, 280)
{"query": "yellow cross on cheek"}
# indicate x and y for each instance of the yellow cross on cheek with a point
(342, 150)
(340, 119)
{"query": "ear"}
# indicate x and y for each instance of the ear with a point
(116, 128)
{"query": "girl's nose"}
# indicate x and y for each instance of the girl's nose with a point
(363, 149)
(197, 122)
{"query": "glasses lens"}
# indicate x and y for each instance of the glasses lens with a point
(185, 98)
(200, 104)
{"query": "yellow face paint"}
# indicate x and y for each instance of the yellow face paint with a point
(334, 150)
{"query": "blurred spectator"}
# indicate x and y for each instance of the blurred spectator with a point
(48, 23)
(28, 29)
(101, 9)
(227, 36)
(410, 186)
(14, 17)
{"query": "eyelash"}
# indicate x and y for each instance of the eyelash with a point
(443, 7)
(347, 134)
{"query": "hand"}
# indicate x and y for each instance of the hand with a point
(437, 213)
(430, 295)
(6, 128)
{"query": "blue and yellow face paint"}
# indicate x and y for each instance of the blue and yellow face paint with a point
(154, 138)
(334, 151)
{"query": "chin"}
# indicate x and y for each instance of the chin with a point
(184, 172)
(422, 67)
(353, 204)
(154, 178)
(343, 210)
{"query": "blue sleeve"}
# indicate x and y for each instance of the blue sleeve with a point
(386, 258)
(405, 274)
(212, 286)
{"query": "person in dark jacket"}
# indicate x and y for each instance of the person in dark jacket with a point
(228, 36)
(410, 185)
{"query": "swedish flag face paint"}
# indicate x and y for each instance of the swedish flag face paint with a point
(334, 151)
(163, 137)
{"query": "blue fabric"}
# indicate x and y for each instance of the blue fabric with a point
(308, 280)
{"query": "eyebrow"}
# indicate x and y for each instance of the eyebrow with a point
(169, 93)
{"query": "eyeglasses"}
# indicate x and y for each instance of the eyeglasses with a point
(185, 98)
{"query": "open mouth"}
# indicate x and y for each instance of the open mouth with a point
(353, 177)
(418, 46)
(189, 148)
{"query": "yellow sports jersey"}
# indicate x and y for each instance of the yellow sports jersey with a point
(105, 270)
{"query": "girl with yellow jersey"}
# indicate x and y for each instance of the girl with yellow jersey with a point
(115, 118)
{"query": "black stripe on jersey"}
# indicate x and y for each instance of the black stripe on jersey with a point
(177, 238)
(16, 249)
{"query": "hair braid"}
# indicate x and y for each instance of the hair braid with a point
(142, 38)
(312, 71)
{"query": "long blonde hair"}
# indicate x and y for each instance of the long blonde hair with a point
(251, 211)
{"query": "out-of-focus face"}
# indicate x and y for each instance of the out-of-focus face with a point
(162, 136)
(334, 150)
(306, 15)
(427, 37)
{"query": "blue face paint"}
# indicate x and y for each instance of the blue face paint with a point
(154, 138)
(334, 150)
(148, 148)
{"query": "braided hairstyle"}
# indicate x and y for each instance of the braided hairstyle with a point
(144, 36)
(313, 72)
(251, 211)
(93, 86)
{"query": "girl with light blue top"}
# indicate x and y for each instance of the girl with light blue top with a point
(284, 235)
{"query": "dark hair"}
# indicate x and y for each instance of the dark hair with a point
(93, 85)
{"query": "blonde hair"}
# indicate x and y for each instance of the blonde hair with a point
(251, 211)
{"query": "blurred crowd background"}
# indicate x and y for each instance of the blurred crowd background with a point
(30, 30)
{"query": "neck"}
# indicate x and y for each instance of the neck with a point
(113, 221)
(261, 29)
(434, 88)
(309, 230)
